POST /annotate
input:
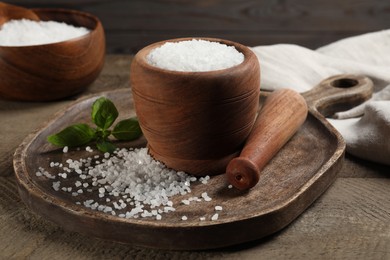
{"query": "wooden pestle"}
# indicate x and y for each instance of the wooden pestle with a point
(283, 112)
(10, 12)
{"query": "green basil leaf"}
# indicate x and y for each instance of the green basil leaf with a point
(74, 135)
(104, 113)
(127, 130)
(105, 146)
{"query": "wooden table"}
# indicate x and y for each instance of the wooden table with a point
(350, 221)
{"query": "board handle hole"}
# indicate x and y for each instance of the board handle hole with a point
(344, 83)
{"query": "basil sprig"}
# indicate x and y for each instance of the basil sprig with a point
(104, 114)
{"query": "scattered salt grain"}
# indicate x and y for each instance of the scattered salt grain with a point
(63, 175)
(184, 218)
(107, 209)
(230, 186)
(218, 208)
(194, 55)
(48, 175)
(65, 149)
(25, 32)
(130, 184)
(204, 180)
(88, 149)
(215, 217)
(116, 206)
(168, 209)
(206, 197)
(195, 199)
(202, 218)
(56, 185)
(185, 202)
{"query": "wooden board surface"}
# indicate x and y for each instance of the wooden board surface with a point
(298, 174)
(131, 25)
(349, 221)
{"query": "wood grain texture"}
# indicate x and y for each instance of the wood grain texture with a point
(309, 174)
(329, 229)
(280, 117)
(53, 71)
(131, 25)
(196, 121)
(350, 221)
(12, 12)
(302, 170)
(339, 93)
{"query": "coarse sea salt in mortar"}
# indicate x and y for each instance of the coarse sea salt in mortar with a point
(194, 56)
(28, 33)
(129, 184)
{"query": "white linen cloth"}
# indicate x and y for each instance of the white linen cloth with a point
(365, 128)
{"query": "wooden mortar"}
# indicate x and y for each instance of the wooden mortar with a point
(196, 121)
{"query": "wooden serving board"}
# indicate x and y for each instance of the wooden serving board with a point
(302, 170)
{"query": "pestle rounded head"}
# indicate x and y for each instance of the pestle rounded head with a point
(242, 173)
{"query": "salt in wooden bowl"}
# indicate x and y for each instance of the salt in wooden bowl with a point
(196, 121)
(57, 70)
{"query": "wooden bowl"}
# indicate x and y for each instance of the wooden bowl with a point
(57, 70)
(196, 121)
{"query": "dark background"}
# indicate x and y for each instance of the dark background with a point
(132, 24)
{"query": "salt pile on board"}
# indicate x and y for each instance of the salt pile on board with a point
(129, 184)
(27, 33)
(194, 55)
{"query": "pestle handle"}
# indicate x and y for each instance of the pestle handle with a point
(283, 112)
